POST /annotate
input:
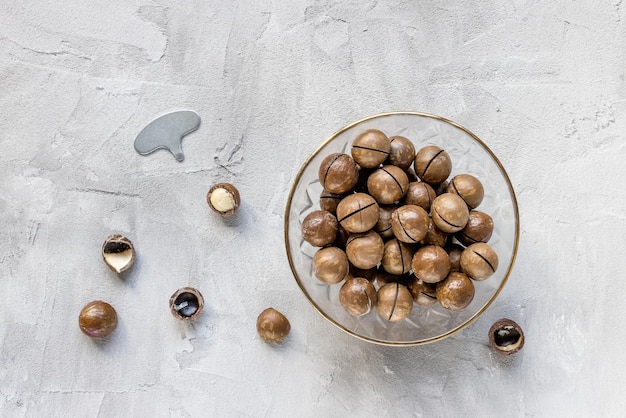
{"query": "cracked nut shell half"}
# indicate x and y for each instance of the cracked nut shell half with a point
(118, 253)
(224, 199)
(186, 304)
(506, 337)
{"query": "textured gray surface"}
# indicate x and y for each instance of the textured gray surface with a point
(542, 83)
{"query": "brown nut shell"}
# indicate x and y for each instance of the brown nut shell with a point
(365, 250)
(369, 274)
(383, 226)
(454, 254)
(338, 173)
(420, 194)
(397, 257)
(358, 212)
(449, 212)
(395, 302)
(223, 199)
(186, 303)
(370, 148)
(97, 319)
(319, 228)
(388, 184)
(479, 261)
(506, 337)
(401, 152)
(434, 236)
(329, 201)
(118, 253)
(424, 294)
(432, 164)
(469, 188)
(455, 292)
(272, 326)
(479, 228)
(357, 296)
(431, 264)
(330, 265)
(409, 223)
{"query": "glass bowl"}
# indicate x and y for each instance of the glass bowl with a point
(469, 155)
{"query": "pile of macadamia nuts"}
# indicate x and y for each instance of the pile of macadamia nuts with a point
(396, 230)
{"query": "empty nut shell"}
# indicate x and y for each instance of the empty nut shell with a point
(479, 228)
(338, 173)
(357, 296)
(224, 199)
(424, 294)
(432, 164)
(358, 212)
(118, 253)
(506, 337)
(409, 223)
(319, 228)
(420, 194)
(186, 304)
(365, 250)
(449, 212)
(272, 326)
(395, 302)
(469, 188)
(388, 184)
(401, 152)
(97, 319)
(370, 148)
(330, 265)
(397, 257)
(455, 292)
(431, 264)
(479, 261)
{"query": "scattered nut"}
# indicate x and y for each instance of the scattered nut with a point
(186, 303)
(224, 199)
(118, 253)
(272, 325)
(506, 337)
(97, 319)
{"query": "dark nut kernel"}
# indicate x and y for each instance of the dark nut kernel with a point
(330, 265)
(97, 319)
(420, 194)
(449, 212)
(409, 223)
(397, 257)
(383, 226)
(401, 152)
(395, 302)
(454, 254)
(319, 228)
(370, 148)
(479, 261)
(357, 212)
(118, 253)
(469, 188)
(424, 294)
(431, 264)
(329, 201)
(388, 184)
(357, 296)
(365, 250)
(434, 236)
(506, 337)
(186, 303)
(224, 199)
(272, 326)
(478, 229)
(455, 292)
(432, 164)
(338, 173)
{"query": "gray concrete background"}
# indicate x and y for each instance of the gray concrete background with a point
(542, 83)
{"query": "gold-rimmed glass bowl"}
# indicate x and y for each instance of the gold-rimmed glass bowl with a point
(469, 155)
